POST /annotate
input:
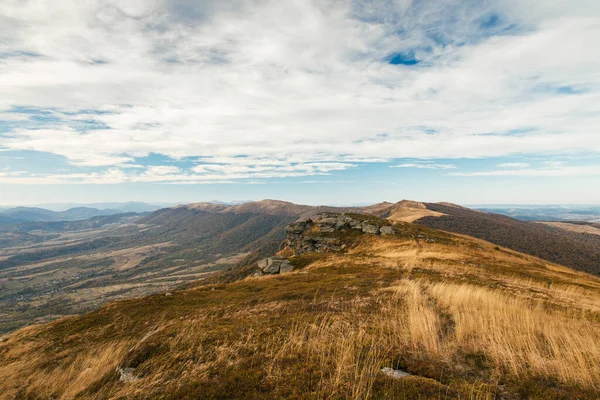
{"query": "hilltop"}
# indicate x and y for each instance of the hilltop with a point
(50, 269)
(575, 249)
(462, 317)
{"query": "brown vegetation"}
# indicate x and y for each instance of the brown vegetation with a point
(580, 251)
(593, 229)
(466, 318)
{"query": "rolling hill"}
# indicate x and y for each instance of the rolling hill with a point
(578, 250)
(417, 313)
(52, 269)
(34, 214)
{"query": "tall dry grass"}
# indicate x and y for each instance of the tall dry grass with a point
(432, 309)
(64, 377)
(520, 336)
(520, 326)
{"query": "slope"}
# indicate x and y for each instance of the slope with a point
(576, 250)
(465, 318)
(36, 214)
(52, 269)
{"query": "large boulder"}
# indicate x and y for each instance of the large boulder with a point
(370, 228)
(286, 267)
(275, 265)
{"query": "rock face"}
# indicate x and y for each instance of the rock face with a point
(331, 232)
(275, 265)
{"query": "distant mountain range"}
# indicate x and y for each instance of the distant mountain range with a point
(67, 265)
(358, 311)
(588, 213)
(128, 206)
(78, 213)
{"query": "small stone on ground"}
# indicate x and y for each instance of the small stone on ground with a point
(394, 373)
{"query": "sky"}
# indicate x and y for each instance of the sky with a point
(318, 102)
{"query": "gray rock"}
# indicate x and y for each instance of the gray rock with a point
(274, 265)
(302, 238)
(285, 267)
(354, 224)
(264, 263)
(298, 228)
(394, 373)
(370, 228)
(387, 230)
(126, 374)
(327, 224)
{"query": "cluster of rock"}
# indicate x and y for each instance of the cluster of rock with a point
(315, 235)
(275, 265)
(324, 234)
(331, 222)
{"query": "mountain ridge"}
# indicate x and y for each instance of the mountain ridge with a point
(453, 317)
(71, 267)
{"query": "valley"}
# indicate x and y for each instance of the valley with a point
(456, 316)
(51, 269)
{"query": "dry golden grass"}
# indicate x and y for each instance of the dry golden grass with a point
(521, 336)
(574, 227)
(468, 320)
(70, 377)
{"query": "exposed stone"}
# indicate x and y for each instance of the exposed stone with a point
(126, 374)
(168, 294)
(394, 373)
(327, 224)
(386, 230)
(320, 235)
(274, 265)
(298, 227)
(264, 263)
(370, 228)
(285, 268)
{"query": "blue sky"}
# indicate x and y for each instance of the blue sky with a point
(330, 102)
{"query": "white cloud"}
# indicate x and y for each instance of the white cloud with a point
(200, 174)
(559, 170)
(513, 165)
(424, 166)
(271, 89)
(553, 163)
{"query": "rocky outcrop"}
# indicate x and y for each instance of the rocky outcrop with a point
(332, 232)
(327, 233)
(275, 265)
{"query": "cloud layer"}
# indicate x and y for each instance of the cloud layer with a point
(269, 89)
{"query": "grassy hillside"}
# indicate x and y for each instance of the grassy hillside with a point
(466, 318)
(62, 270)
(52, 269)
(577, 250)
